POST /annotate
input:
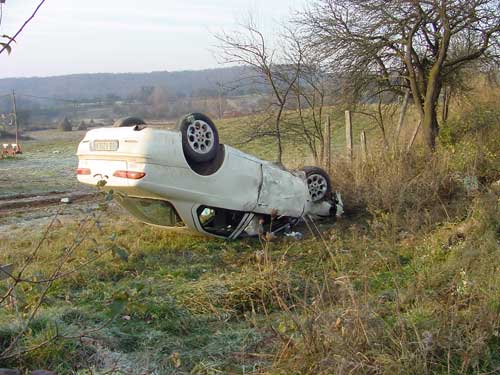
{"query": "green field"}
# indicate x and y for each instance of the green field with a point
(48, 164)
(406, 283)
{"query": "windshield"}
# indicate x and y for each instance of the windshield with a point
(151, 211)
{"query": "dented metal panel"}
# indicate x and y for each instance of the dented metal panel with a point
(234, 186)
(281, 191)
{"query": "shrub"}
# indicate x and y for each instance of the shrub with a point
(473, 141)
(436, 312)
(65, 125)
(412, 189)
(82, 126)
(476, 122)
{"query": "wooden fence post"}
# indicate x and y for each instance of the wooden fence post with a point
(348, 133)
(402, 114)
(364, 148)
(328, 144)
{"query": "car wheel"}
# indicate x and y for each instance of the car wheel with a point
(128, 121)
(318, 183)
(200, 139)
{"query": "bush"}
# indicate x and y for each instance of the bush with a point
(412, 189)
(426, 308)
(82, 126)
(417, 189)
(476, 122)
(65, 125)
(473, 141)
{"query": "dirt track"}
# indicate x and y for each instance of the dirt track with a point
(31, 214)
(24, 202)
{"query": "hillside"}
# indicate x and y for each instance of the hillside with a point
(99, 85)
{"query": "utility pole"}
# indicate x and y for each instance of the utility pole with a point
(75, 109)
(14, 116)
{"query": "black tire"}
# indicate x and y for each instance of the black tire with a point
(128, 121)
(318, 183)
(200, 139)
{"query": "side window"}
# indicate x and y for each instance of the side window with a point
(219, 221)
(151, 211)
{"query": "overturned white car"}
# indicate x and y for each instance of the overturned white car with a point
(186, 178)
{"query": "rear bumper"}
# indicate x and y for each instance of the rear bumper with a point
(99, 170)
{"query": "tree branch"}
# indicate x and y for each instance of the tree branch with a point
(7, 45)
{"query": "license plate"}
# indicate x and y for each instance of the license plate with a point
(105, 146)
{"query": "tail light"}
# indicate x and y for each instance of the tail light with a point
(83, 171)
(129, 174)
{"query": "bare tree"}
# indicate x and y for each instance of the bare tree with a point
(383, 41)
(311, 90)
(159, 102)
(382, 109)
(248, 47)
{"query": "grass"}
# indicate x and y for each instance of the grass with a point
(409, 304)
(407, 283)
(47, 164)
(238, 132)
(168, 309)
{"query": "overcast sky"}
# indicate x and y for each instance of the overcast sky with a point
(88, 36)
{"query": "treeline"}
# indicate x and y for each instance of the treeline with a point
(92, 87)
(157, 95)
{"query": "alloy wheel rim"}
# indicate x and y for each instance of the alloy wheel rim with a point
(200, 137)
(317, 185)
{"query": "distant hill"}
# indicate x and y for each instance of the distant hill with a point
(100, 85)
